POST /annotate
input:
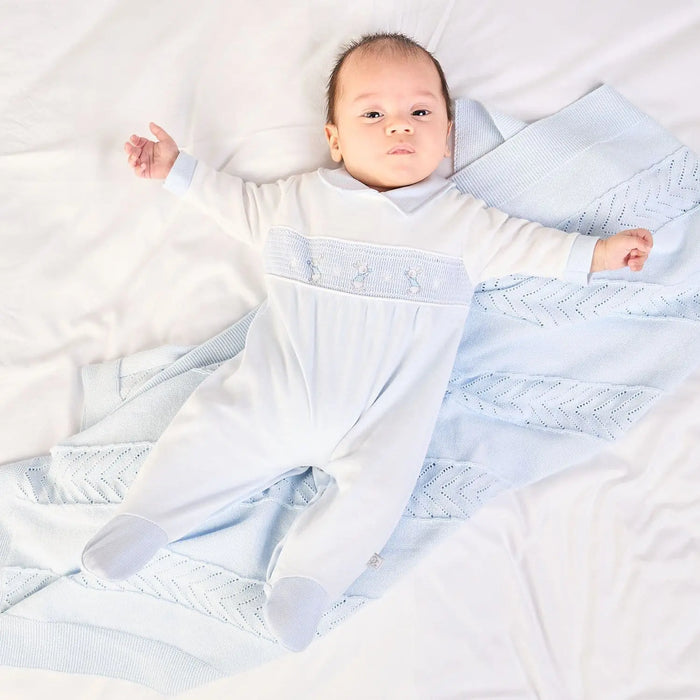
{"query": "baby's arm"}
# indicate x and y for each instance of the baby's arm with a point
(242, 209)
(498, 245)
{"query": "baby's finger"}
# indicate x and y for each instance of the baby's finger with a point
(642, 234)
(633, 242)
(134, 160)
(637, 258)
(133, 152)
(160, 133)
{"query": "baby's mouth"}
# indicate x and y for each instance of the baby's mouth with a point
(401, 149)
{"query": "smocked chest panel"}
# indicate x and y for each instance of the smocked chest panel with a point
(369, 270)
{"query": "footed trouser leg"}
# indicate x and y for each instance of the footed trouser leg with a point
(234, 436)
(329, 545)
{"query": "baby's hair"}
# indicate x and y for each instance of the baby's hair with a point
(378, 44)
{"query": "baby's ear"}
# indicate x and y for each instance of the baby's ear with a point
(448, 152)
(333, 142)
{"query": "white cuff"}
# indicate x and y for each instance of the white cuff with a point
(578, 266)
(180, 175)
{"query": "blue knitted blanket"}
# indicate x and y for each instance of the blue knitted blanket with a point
(547, 374)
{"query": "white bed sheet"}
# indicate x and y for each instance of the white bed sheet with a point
(582, 586)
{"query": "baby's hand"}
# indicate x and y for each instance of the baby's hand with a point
(625, 249)
(151, 159)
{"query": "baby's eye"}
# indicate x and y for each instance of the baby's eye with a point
(372, 115)
(421, 112)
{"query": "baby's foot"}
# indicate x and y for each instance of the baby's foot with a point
(293, 610)
(123, 547)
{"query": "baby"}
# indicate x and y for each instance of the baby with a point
(370, 269)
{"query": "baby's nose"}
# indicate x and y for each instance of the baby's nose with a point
(399, 126)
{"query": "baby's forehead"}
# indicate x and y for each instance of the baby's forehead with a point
(361, 64)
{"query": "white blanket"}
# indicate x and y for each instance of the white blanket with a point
(582, 586)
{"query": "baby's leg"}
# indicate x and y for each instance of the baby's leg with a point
(227, 442)
(331, 543)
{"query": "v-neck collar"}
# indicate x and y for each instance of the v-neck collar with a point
(407, 199)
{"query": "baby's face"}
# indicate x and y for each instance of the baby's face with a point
(391, 120)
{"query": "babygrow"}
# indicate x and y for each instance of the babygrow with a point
(344, 369)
